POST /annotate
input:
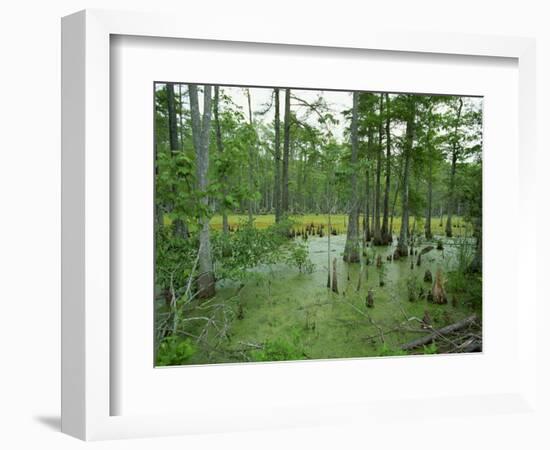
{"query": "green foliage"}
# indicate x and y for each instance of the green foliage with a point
(385, 350)
(382, 274)
(430, 349)
(278, 350)
(281, 349)
(174, 350)
(461, 283)
(298, 256)
(246, 248)
(414, 285)
(249, 247)
(174, 258)
(242, 176)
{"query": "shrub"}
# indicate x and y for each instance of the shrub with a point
(278, 350)
(384, 350)
(430, 349)
(299, 257)
(174, 350)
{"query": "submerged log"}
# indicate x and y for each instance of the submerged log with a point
(426, 249)
(423, 252)
(425, 340)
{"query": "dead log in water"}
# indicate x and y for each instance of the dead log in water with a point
(426, 340)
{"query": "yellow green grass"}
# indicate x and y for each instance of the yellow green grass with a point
(338, 221)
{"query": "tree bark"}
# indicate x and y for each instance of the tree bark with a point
(351, 250)
(329, 232)
(251, 187)
(377, 231)
(428, 225)
(172, 119)
(409, 136)
(219, 144)
(454, 157)
(179, 226)
(386, 237)
(277, 184)
(286, 153)
(201, 139)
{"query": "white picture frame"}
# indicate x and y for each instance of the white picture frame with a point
(87, 384)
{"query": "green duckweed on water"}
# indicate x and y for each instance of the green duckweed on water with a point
(279, 313)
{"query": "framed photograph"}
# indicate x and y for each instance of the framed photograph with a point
(267, 230)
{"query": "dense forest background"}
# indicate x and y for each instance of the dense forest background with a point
(284, 216)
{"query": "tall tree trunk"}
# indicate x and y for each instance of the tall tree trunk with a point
(367, 227)
(366, 218)
(428, 225)
(454, 157)
(179, 226)
(377, 231)
(286, 153)
(385, 230)
(409, 136)
(394, 202)
(219, 144)
(277, 184)
(329, 232)
(351, 250)
(201, 139)
(180, 113)
(251, 187)
(172, 119)
(477, 263)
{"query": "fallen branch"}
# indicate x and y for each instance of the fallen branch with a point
(425, 340)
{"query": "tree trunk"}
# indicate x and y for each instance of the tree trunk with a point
(386, 237)
(219, 144)
(451, 204)
(409, 136)
(351, 251)
(251, 187)
(477, 263)
(428, 225)
(394, 204)
(286, 153)
(329, 232)
(277, 184)
(366, 219)
(201, 139)
(172, 119)
(377, 231)
(180, 229)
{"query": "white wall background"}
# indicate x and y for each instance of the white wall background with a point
(30, 206)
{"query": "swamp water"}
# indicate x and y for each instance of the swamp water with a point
(279, 304)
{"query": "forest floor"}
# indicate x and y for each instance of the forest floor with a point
(296, 314)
